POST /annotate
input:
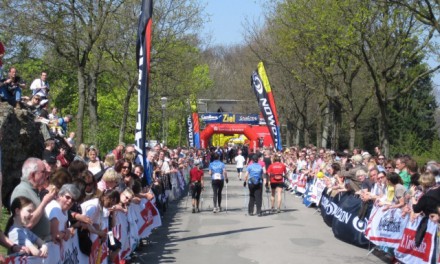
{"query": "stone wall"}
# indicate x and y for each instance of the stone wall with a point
(20, 138)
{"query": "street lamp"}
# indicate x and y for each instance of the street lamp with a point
(163, 100)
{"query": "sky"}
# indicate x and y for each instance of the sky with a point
(227, 18)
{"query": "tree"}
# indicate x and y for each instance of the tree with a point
(390, 40)
(72, 29)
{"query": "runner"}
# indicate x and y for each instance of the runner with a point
(239, 160)
(254, 173)
(217, 171)
(196, 185)
(276, 172)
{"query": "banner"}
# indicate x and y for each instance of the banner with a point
(143, 47)
(136, 224)
(386, 228)
(314, 192)
(266, 102)
(68, 252)
(196, 123)
(190, 134)
(407, 252)
(229, 118)
(346, 225)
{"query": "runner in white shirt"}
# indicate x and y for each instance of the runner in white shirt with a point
(239, 160)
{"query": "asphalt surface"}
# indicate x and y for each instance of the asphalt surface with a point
(296, 235)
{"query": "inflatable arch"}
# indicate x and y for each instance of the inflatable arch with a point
(253, 133)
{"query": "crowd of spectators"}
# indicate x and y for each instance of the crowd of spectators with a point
(388, 182)
(73, 184)
(58, 196)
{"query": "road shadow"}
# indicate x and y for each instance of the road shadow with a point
(225, 233)
(161, 246)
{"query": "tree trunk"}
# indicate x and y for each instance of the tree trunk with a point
(352, 135)
(180, 131)
(81, 105)
(383, 128)
(325, 127)
(337, 121)
(123, 127)
(289, 134)
(318, 131)
(93, 107)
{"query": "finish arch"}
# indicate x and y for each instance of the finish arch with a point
(253, 133)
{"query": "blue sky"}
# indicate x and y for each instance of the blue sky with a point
(227, 18)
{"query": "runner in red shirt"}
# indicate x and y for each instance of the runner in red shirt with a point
(276, 172)
(196, 185)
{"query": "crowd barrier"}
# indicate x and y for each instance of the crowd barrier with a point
(375, 227)
(137, 224)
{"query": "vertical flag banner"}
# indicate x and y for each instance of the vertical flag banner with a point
(196, 123)
(143, 46)
(189, 128)
(263, 92)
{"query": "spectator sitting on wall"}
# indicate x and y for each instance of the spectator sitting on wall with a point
(11, 88)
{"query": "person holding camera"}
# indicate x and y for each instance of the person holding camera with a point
(217, 170)
(254, 177)
(11, 88)
(41, 86)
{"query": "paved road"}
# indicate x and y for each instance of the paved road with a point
(296, 235)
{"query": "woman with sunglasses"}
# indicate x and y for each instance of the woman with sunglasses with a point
(56, 212)
(390, 166)
(124, 167)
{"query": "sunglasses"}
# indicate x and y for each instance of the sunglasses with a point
(68, 197)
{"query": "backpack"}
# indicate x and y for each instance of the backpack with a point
(254, 180)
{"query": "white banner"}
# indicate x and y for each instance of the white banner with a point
(407, 252)
(317, 189)
(386, 228)
(138, 223)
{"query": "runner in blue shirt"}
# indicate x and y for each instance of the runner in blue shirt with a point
(217, 171)
(254, 177)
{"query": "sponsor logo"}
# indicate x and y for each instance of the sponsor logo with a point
(408, 244)
(389, 225)
(190, 131)
(210, 117)
(247, 118)
(256, 82)
(265, 107)
(359, 224)
(270, 119)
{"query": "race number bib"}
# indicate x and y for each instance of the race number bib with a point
(216, 176)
